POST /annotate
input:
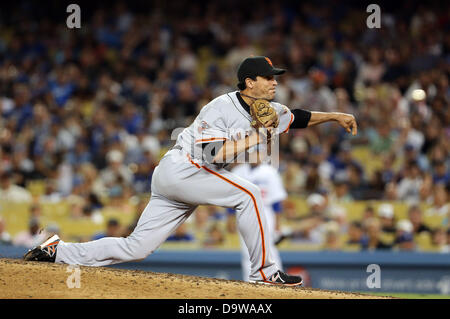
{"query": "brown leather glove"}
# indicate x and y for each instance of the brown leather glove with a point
(263, 114)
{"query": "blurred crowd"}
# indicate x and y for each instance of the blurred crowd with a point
(91, 110)
(327, 226)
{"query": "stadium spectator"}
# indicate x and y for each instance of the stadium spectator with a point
(119, 197)
(405, 242)
(390, 192)
(202, 220)
(408, 189)
(318, 157)
(11, 192)
(415, 216)
(53, 229)
(79, 154)
(294, 178)
(51, 193)
(332, 236)
(356, 236)
(439, 203)
(215, 237)
(387, 218)
(426, 189)
(441, 174)
(338, 214)
(387, 171)
(372, 69)
(439, 240)
(240, 51)
(343, 161)
(308, 230)
(35, 211)
(376, 186)
(181, 234)
(138, 210)
(341, 190)
(83, 208)
(317, 205)
(372, 227)
(31, 237)
(290, 210)
(92, 185)
(404, 239)
(116, 172)
(315, 94)
(359, 188)
(113, 229)
(369, 212)
(381, 137)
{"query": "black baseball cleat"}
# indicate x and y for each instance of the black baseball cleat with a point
(282, 279)
(44, 252)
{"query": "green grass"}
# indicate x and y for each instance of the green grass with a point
(407, 295)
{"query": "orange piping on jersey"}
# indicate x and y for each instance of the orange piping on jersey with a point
(211, 139)
(190, 159)
(292, 119)
(257, 214)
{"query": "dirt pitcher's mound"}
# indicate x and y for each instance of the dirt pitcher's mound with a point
(20, 279)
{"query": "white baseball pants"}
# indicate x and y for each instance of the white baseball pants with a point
(245, 258)
(179, 185)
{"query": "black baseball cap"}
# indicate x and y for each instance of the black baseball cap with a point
(256, 65)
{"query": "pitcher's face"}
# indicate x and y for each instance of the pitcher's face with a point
(263, 88)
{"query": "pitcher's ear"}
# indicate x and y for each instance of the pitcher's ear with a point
(249, 83)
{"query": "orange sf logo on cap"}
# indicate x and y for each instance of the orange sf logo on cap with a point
(268, 61)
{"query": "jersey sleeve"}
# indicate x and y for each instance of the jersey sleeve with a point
(285, 116)
(210, 126)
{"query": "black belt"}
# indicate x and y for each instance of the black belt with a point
(219, 165)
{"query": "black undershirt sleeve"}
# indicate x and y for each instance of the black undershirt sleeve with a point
(301, 119)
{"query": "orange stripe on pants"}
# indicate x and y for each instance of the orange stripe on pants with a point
(257, 214)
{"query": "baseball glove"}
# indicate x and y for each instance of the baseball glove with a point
(262, 113)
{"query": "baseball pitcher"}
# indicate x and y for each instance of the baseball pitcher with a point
(192, 173)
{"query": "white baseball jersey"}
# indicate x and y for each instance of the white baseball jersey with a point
(223, 119)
